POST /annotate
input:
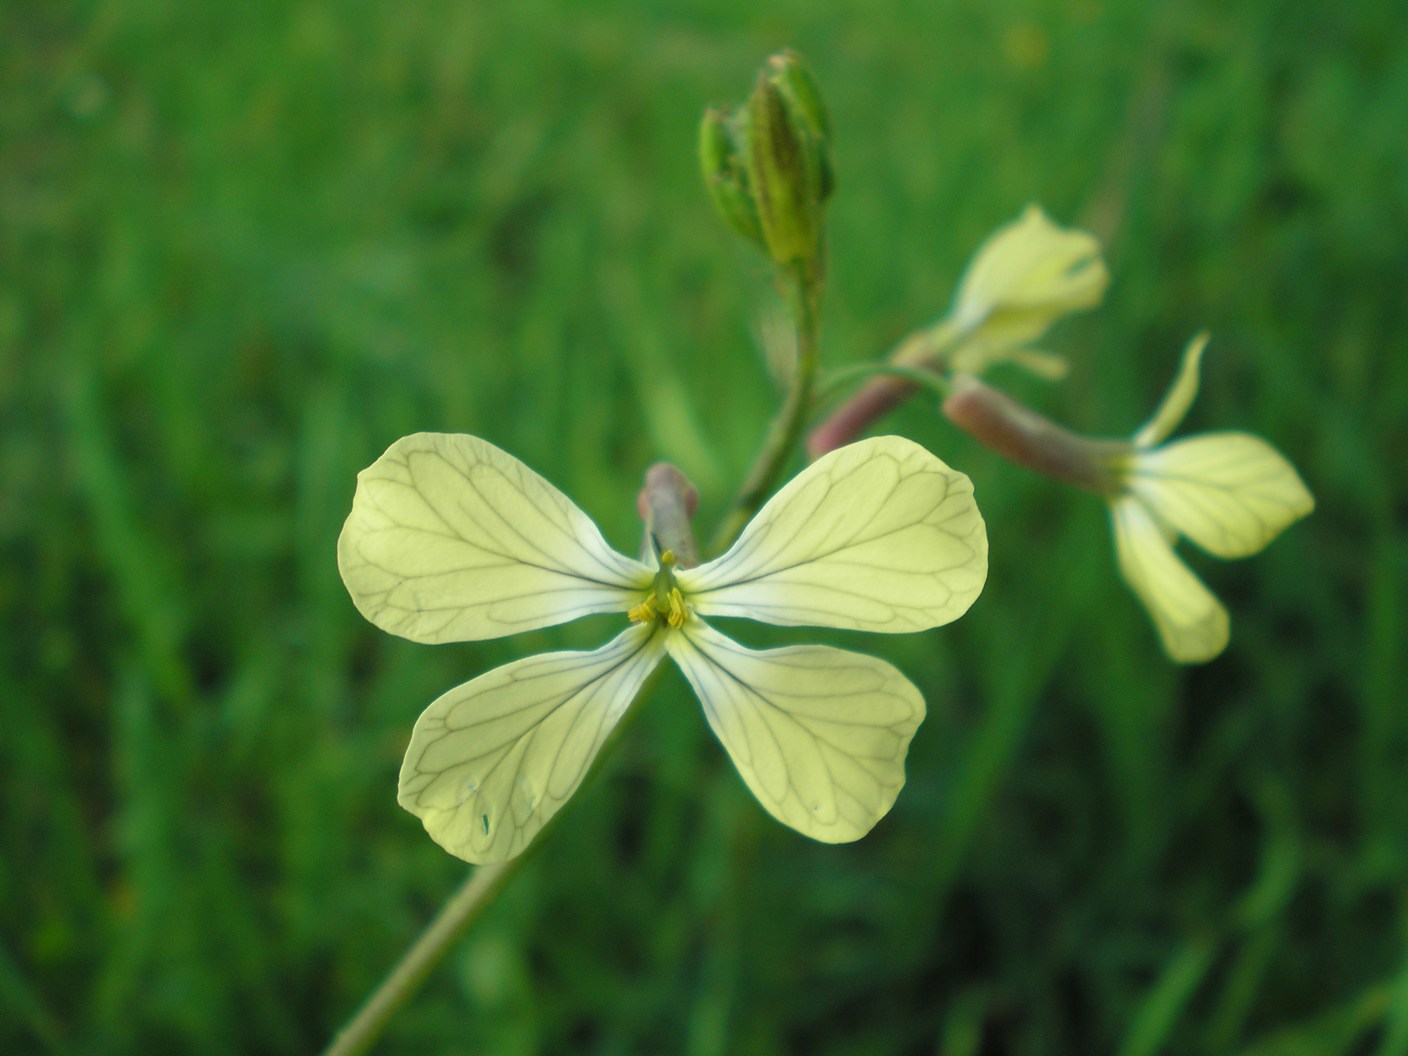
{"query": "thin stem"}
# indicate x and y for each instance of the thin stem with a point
(453, 920)
(783, 435)
(456, 916)
(925, 351)
(1035, 442)
(919, 378)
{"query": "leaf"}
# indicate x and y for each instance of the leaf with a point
(1231, 493)
(876, 536)
(1191, 622)
(818, 734)
(492, 760)
(452, 539)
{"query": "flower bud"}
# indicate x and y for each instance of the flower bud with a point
(777, 168)
(766, 165)
(666, 504)
(799, 88)
(725, 174)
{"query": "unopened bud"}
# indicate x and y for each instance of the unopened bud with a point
(799, 88)
(725, 173)
(666, 504)
(1020, 435)
(788, 164)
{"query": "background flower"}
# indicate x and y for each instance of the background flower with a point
(1021, 280)
(1230, 493)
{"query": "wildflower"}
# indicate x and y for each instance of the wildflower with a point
(1230, 493)
(1028, 274)
(452, 539)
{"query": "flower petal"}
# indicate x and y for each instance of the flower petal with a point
(451, 539)
(492, 760)
(818, 734)
(1028, 274)
(1191, 622)
(1178, 399)
(1231, 493)
(876, 536)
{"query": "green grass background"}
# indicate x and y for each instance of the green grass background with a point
(245, 246)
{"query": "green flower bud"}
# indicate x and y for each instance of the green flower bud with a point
(799, 89)
(725, 174)
(785, 174)
(767, 166)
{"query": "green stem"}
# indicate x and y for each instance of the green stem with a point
(926, 351)
(804, 290)
(456, 916)
(453, 920)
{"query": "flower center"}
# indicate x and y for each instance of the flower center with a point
(664, 604)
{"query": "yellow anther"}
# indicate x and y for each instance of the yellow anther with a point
(664, 603)
(643, 612)
(679, 612)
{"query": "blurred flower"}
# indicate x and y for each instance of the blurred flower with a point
(1230, 493)
(452, 539)
(1028, 274)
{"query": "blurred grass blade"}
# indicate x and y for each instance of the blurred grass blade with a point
(1157, 1016)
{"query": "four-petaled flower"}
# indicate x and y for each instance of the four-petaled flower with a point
(1230, 493)
(452, 539)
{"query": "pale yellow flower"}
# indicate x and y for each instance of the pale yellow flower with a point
(1229, 493)
(1028, 274)
(451, 539)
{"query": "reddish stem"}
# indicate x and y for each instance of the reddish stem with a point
(876, 399)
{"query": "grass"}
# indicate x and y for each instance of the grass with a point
(244, 247)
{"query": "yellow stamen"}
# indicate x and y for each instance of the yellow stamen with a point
(664, 603)
(679, 612)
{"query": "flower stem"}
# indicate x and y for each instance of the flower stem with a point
(888, 386)
(921, 360)
(458, 914)
(1035, 442)
(918, 377)
(453, 920)
(804, 293)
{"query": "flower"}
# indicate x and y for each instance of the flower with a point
(1027, 275)
(1230, 493)
(452, 539)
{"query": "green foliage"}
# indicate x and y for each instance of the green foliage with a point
(243, 247)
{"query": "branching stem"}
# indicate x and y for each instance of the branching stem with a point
(803, 295)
